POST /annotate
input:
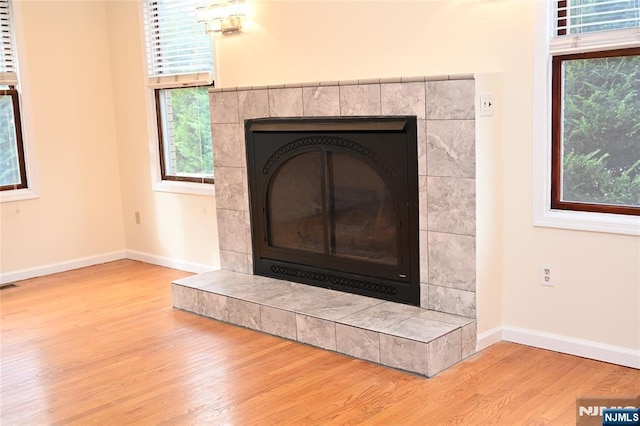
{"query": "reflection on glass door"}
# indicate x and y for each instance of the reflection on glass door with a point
(332, 203)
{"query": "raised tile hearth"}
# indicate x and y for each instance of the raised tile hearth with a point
(406, 337)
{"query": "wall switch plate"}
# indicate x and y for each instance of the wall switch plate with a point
(486, 104)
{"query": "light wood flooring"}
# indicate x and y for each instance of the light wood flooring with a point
(102, 345)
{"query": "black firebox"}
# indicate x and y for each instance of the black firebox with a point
(334, 203)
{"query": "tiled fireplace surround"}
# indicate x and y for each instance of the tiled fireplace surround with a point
(423, 340)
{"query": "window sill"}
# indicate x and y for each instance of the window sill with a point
(191, 188)
(587, 221)
(17, 195)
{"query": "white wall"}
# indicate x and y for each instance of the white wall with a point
(596, 297)
(85, 113)
(176, 230)
(68, 116)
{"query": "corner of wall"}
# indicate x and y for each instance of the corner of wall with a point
(489, 215)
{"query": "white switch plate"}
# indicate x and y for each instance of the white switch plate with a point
(486, 104)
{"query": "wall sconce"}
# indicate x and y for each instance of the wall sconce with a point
(223, 16)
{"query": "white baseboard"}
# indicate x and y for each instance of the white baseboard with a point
(25, 274)
(183, 265)
(489, 337)
(54, 268)
(569, 345)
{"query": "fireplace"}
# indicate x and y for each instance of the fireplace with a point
(334, 203)
(446, 167)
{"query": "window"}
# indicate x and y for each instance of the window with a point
(595, 106)
(180, 63)
(13, 173)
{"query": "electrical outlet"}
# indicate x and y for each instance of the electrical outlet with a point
(137, 215)
(546, 272)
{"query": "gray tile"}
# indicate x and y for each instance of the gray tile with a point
(321, 101)
(185, 298)
(391, 80)
(403, 99)
(452, 260)
(243, 313)
(419, 329)
(417, 78)
(210, 278)
(228, 145)
(451, 148)
(299, 298)
(380, 316)
(360, 100)
(238, 298)
(452, 301)
(213, 306)
(204, 279)
(253, 104)
(452, 99)
(467, 76)
(469, 339)
(405, 354)
(357, 342)
(444, 352)
(338, 305)
(322, 303)
(240, 282)
(442, 77)
(457, 320)
(423, 203)
(230, 189)
(451, 205)
(232, 230)
(424, 296)
(422, 147)
(250, 264)
(316, 332)
(263, 292)
(285, 102)
(224, 107)
(278, 322)
(234, 261)
(247, 234)
(424, 256)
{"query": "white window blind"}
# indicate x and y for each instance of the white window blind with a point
(8, 72)
(179, 52)
(587, 25)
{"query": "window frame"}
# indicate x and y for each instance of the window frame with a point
(542, 213)
(17, 122)
(161, 145)
(25, 103)
(557, 100)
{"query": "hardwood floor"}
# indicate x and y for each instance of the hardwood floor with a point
(103, 345)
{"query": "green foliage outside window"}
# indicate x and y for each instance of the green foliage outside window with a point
(9, 168)
(601, 131)
(191, 131)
